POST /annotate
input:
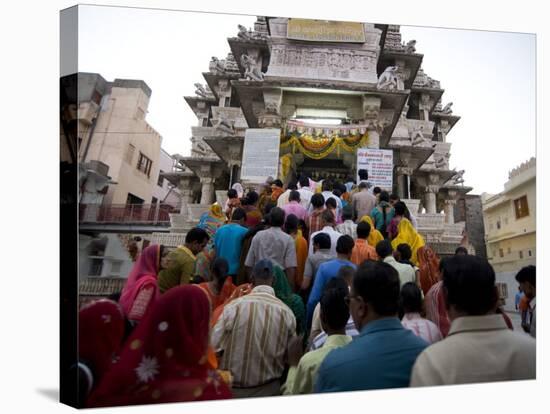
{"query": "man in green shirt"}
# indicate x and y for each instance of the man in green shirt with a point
(182, 261)
(334, 316)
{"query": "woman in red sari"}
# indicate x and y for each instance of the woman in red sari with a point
(166, 359)
(220, 288)
(100, 333)
(141, 289)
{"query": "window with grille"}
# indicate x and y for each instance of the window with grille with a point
(160, 181)
(129, 154)
(227, 101)
(144, 164)
(521, 207)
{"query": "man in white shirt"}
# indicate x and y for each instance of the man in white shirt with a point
(406, 272)
(527, 279)
(479, 347)
(329, 222)
(305, 192)
(283, 198)
(327, 188)
(348, 226)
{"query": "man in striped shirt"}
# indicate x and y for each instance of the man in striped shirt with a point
(253, 334)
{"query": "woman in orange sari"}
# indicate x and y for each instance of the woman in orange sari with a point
(429, 268)
(220, 288)
(291, 227)
(276, 190)
(374, 236)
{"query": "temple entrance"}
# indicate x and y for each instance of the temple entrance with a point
(325, 168)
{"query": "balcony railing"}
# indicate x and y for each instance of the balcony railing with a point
(126, 213)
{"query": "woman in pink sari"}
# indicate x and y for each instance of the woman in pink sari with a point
(141, 289)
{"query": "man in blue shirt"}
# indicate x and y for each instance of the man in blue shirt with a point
(383, 354)
(228, 240)
(329, 270)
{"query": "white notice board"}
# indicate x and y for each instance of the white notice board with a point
(260, 154)
(379, 164)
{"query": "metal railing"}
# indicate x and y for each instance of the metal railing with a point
(126, 213)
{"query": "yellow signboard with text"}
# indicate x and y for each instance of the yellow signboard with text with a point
(325, 31)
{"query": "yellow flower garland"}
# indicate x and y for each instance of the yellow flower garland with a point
(320, 147)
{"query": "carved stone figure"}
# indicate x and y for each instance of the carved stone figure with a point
(417, 136)
(225, 125)
(410, 46)
(442, 162)
(250, 70)
(447, 108)
(244, 33)
(457, 178)
(216, 65)
(201, 91)
(388, 78)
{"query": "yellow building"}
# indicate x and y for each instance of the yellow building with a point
(510, 227)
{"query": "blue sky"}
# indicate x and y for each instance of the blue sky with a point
(489, 77)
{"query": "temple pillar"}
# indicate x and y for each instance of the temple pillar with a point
(430, 196)
(207, 190)
(403, 182)
(450, 207)
(371, 112)
(374, 138)
(450, 211)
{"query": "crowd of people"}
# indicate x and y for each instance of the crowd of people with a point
(304, 288)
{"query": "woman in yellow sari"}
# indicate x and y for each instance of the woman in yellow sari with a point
(374, 236)
(407, 234)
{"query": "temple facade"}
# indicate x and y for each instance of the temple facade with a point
(330, 88)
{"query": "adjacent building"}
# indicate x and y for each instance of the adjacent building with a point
(510, 227)
(113, 130)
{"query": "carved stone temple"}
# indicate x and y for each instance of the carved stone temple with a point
(361, 75)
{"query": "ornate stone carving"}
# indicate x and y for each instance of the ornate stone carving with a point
(410, 46)
(250, 70)
(447, 109)
(403, 170)
(245, 34)
(267, 120)
(199, 148)
(423, 80)
(432, 189)
(216, 65)
(225, 125)
(417, 136)
(203, 92)
(371, 107)
(323, 63)
(388, 78)
(457, 178)
(443, 161)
